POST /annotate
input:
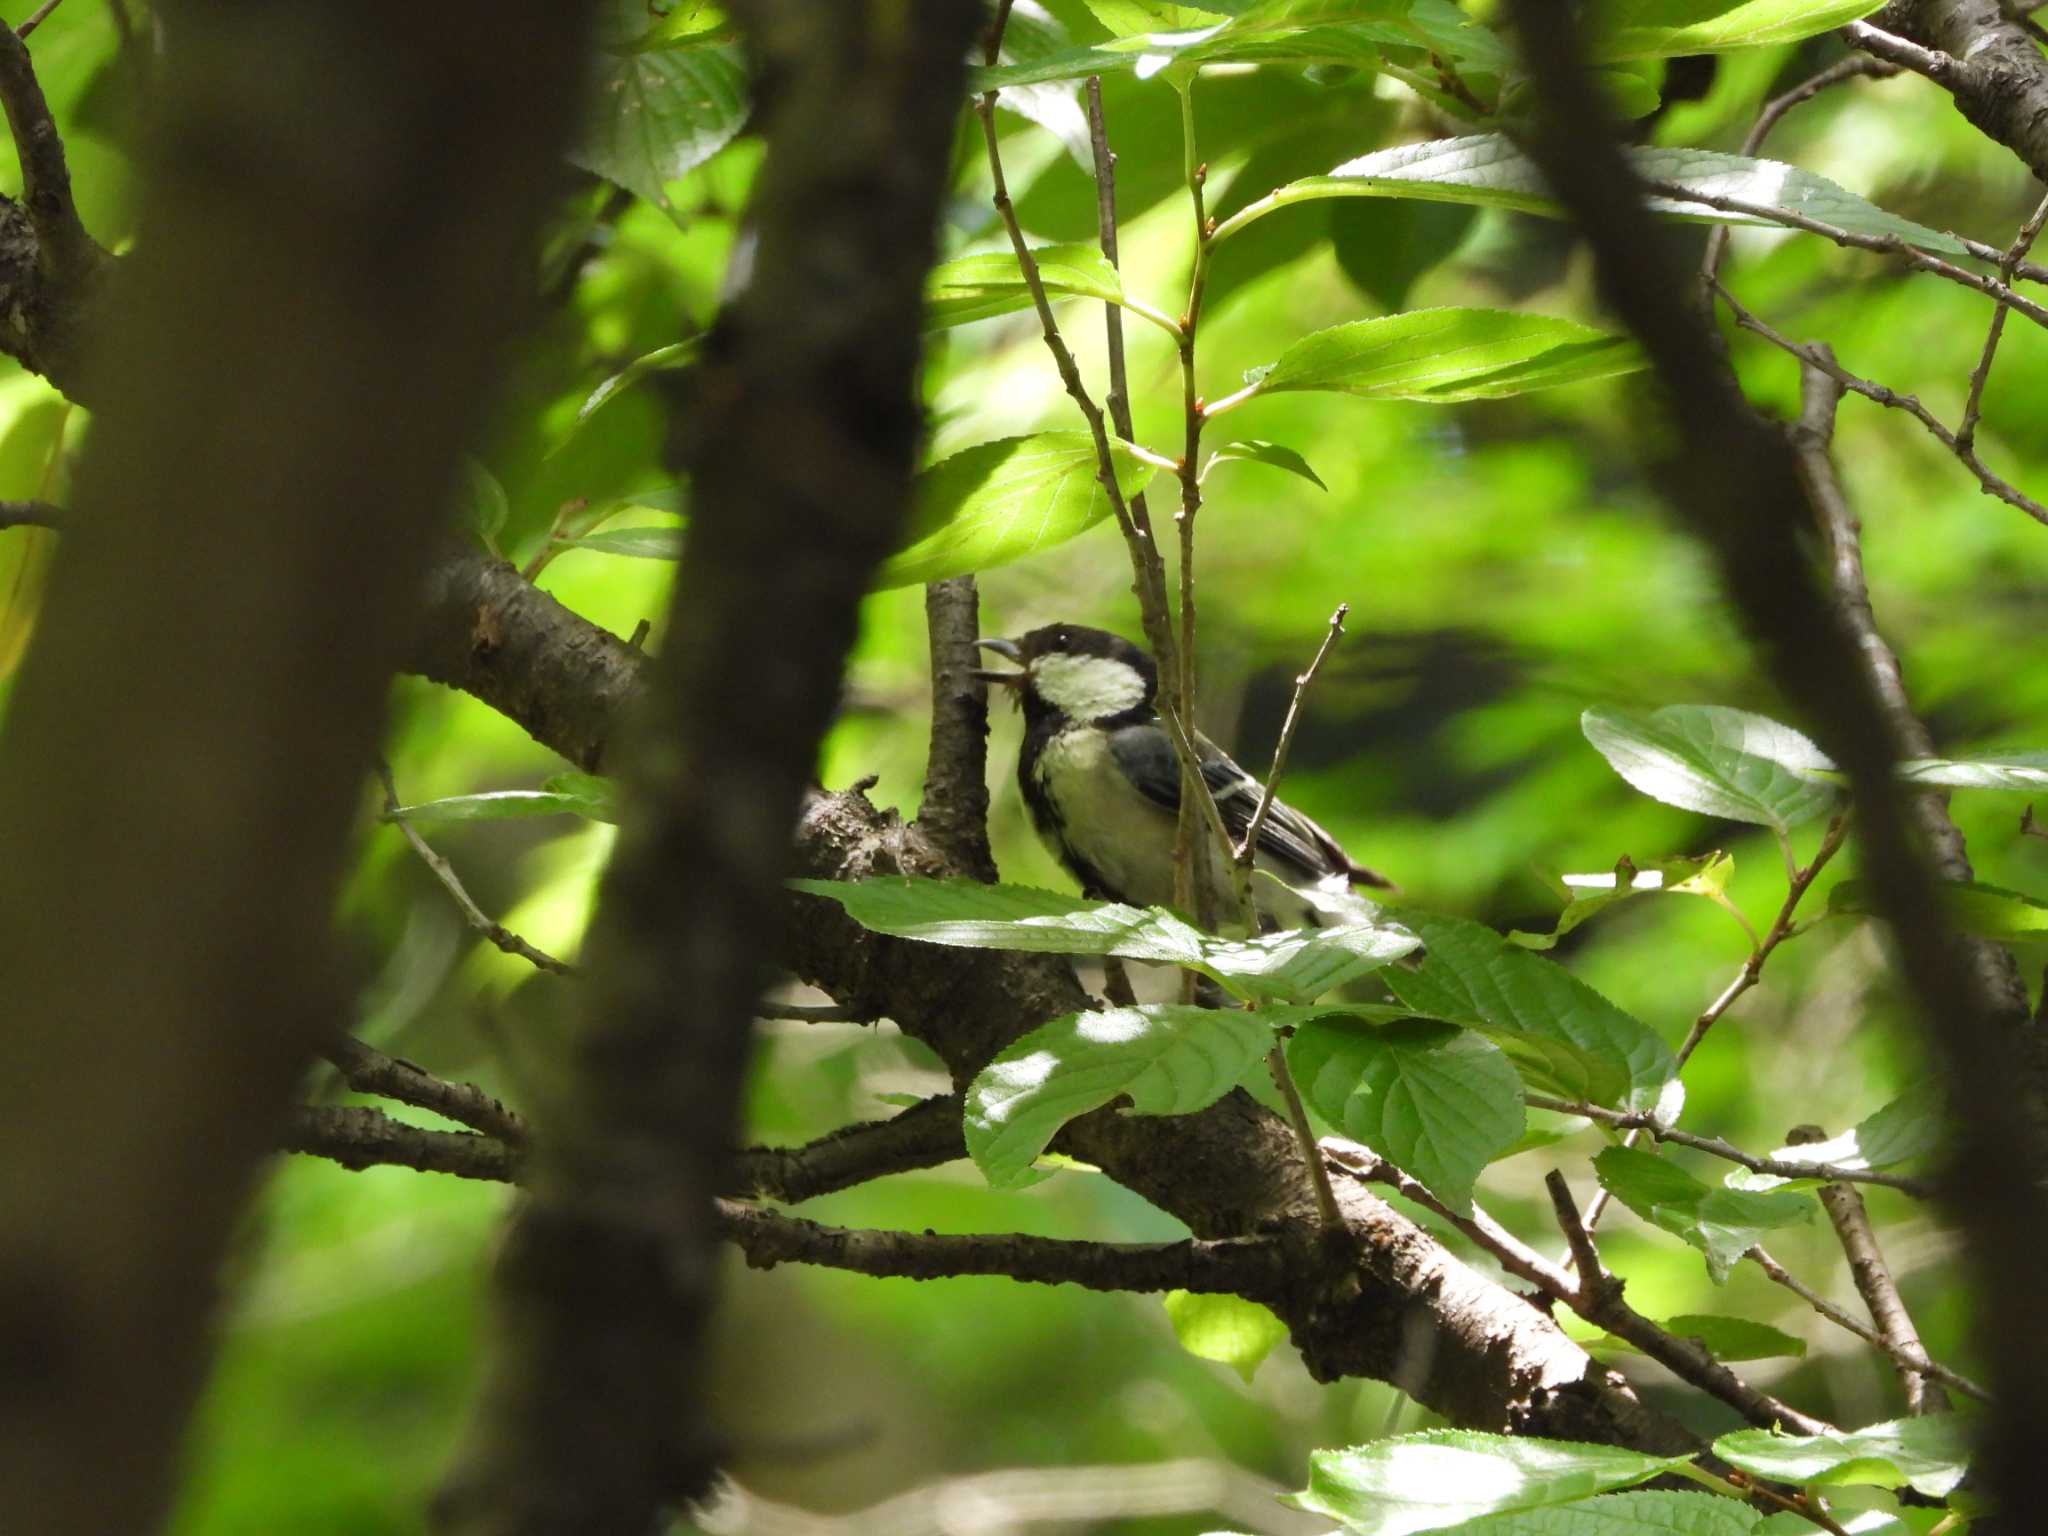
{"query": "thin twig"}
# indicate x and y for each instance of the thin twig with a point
(368, 1070)
(37, 17)
(1797, 883)
(359, 1138)
(1305, 1138)
(495, 933)
(30, 514)
(1966, 434)
(1247, 851)
(811, 1013)
(1941, 68)
(923, 1136)
(1854, 66)
(1714, 1146)
(1909, 1360)
(1817, 356)
(1874, 1282)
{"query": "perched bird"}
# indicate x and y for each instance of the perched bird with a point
(1099, 774)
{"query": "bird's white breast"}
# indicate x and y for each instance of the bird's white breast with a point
(1127, 838)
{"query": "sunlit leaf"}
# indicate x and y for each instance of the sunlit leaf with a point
(1563, 1037)
(1125, 18)
(1224, 1328)
(1588, 895)
(1449, 355)
(1722, 1223)
(976, 287)
(1437, 1101)
(1720, 762)
(1928, 1454)
(1277, 455)
(998, 502)
(640, 543)
(596, 796)
(2016, 770)
(1625, 1514)
(657, 114)
(1169, 1059)
(678, 354)
(1645, 29)
(1489, 170)
(1912, 1125)
(1433, 1480)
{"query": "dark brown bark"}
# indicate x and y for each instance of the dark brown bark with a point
(283, 376)
(800, 432)
(1988, 63)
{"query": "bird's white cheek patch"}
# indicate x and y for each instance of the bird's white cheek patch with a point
(1087, 687)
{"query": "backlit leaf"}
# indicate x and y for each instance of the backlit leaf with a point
(1444, 355)
(1928, 1454)
(1722, 1223)
(657, 114)
(1224, 1328)
(1720, 762)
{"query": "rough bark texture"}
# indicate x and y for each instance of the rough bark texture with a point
(800, 435)
(1999, 78)
(332, 233)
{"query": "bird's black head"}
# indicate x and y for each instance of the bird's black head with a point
(1081, 673)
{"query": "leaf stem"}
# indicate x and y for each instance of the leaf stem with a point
(1305, 1138)
(1247, 851)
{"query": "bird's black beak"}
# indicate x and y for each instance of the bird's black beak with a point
(1008, 650)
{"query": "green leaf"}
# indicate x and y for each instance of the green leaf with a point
(1588, 895)
(482, 501)
(1170, 1059)
(998, 502)
(1726, 1338)
(1444, 355)
(660, 113)
(1126, 18)
(677, 354)
(1385, 246)
(976, 287)
(1437, 1101)
(1426, 1481)
(1255, 451)
(2017, 770)
(1989, 911)
(640, 543)
(1912, 1125)
(1927, 1454)
(1489, 170)
(1720, 762)
(596, 797)
(1624, 1514)
(1563, 1037)
(1224, 1328)
(1723, 1224)
(493, 805)
(1656, 29)
(1288, 967)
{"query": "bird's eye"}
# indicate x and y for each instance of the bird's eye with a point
(1060, 641)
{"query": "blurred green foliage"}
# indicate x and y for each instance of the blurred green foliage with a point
(1507, 567)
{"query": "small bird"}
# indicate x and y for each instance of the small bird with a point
(1099, 774)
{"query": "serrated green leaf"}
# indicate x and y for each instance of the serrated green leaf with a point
(1624, 1514)
(482, 501)
(1488, 170)
(1656, 29)
(492, 805)
(1427, 1481)
(1563, 1037)
(638, 543)
(976, 287)
(1989, 911)
(1722, 1223)
(998, 502)
(1588, 895)
(1126, 18)
(1728, 1339)
(660, 113)
(1720, 762)
(1169, 1059)
(2015, 770)
(1287, 967)
(1255, 451)
(1912, 1125)
(1928, 1454)
(1446, 355)
(1437, 1101)
(1224, 1328)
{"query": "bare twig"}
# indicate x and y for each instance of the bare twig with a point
(369, 1138)
(1966, 433)
(368, 1070)
(1798, 881)
(1913, 1360)
(37, 17)
(1251, 1267)
(1247, 851)
(1817, 356)
(1874, 1281)
(45, 179)
(955, 805)
(811, 1013)
(1714, 1146)
(30, 514)
(1937, 66)
(495, 932)
(1853, 67)
(922, 1136)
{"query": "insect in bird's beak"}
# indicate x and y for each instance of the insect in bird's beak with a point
(1008, 650)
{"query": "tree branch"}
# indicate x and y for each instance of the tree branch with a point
(922, 1136)
(954, 811)
(1970, 49)
(368, 1070)
(359, 1138)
